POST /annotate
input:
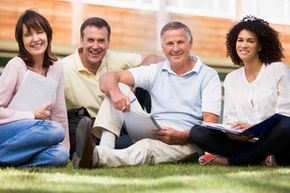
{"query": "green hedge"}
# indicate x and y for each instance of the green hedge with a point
(4, 60)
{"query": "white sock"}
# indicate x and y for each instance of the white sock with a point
(95, 157)
(108, 139)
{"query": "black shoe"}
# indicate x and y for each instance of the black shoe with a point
(83, 157)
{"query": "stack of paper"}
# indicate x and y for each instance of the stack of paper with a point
(34, 91)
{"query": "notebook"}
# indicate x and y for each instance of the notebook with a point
(254, 131)
(140, 125)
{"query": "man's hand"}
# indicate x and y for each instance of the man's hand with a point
(171, 136)
(43, 112)
(121, 101)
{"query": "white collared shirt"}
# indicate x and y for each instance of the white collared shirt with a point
(180, 100)
(253, 102)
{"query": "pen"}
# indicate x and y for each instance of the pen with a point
(130, 103)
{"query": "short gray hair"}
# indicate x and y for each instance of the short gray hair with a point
(176, 25)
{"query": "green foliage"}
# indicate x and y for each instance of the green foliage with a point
(163, 178)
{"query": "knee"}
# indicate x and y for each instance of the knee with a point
(143, 152)
(144, 144)
(283, 128)
(54, 131)
(201, 135)
(196, 133)
(124, 88)
(61, 156)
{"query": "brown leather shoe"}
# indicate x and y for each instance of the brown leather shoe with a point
(83, 157)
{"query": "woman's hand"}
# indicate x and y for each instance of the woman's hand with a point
(241, 126)
(171, 136)
(43, 112)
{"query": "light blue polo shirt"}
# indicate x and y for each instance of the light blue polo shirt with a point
(178, 101)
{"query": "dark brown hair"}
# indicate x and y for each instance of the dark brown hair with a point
(33, 20)
(97, 22)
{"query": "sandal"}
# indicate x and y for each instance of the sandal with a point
(212, 159)
(206, 159)
(269, 161)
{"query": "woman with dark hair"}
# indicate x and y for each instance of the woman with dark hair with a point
(254, 92)
(33, 137)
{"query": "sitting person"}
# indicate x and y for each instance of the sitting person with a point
(83, 69)
(183, 92)
(35, 137)
(257, 90)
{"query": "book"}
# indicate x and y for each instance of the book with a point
(140, 125)
(254, 131)
(35, 90)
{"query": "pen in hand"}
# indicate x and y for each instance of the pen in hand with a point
(130, 103)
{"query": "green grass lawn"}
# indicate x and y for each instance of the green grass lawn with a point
(165, 178)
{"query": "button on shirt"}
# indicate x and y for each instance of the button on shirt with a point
(178, 101)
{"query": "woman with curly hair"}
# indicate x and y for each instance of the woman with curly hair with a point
(254, 92)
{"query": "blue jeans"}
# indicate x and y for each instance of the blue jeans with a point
(32, 143)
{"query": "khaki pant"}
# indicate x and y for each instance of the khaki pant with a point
(110, 118)
(146, 151)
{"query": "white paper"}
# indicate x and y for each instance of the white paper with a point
(221, 127)
(140, 125)
(34, 91)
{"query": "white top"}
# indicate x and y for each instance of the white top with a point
(180, 100)
(253, 102)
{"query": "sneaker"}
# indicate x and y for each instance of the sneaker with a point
(83, 157)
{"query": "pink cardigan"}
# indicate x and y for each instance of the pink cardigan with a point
(10, 81)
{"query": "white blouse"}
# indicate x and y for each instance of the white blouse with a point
(253, 102)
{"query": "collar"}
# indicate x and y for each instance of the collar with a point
(79, 64)
(195, 70)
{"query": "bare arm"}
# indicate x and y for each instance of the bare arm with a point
(210, 117)
(109, 85)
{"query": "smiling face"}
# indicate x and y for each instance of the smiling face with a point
(247, 46)
(176, 46)
(34, 41)
(95, 44)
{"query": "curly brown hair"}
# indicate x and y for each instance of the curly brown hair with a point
(268, 38)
